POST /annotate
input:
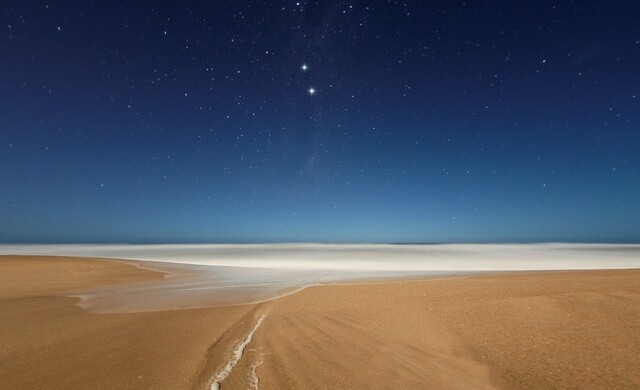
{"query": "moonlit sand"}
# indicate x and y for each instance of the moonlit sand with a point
(226, 274)
(470, 330)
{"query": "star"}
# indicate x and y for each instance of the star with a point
(304, 67)
(312, 91)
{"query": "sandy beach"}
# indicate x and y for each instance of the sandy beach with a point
(330, 195)
(49, 342)
(569, 329)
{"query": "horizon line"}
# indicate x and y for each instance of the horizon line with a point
(542, 242)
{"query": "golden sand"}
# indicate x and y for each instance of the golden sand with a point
(528, 330)
(47, 341)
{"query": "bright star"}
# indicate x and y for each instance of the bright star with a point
(304, 67)
(312, 91)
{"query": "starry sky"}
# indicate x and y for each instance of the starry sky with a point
(319, 121)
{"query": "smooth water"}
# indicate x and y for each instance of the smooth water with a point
(227, 274)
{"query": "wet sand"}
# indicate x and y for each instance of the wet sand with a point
(47, 341)
(574, 329)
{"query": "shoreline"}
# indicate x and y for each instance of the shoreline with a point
(516, 329)
(361, 257)
(194, 286)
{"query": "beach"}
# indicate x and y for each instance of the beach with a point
(561, 329)
(49, 342)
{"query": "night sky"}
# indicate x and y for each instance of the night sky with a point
(383, 121)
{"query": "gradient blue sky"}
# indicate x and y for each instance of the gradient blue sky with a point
(430, 122)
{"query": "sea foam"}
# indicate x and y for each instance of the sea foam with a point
(230, 274)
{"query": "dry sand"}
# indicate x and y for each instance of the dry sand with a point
(578, 329)
(534, 330)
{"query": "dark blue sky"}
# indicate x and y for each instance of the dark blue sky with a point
(439, 121)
